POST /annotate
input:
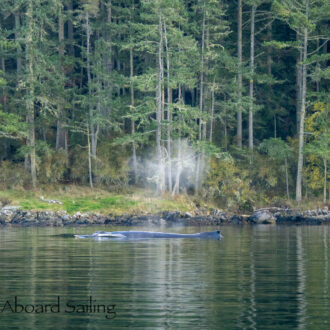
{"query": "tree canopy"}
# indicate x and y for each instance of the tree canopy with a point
(139, 92)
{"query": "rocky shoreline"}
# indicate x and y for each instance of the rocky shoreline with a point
(14, 216)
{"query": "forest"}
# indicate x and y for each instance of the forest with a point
(224, 100)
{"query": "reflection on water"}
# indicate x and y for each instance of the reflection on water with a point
(256, 277)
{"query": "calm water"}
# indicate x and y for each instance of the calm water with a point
(256, 277)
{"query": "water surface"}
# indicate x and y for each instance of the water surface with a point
(255, 277)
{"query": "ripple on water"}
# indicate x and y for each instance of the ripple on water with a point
(256, 277)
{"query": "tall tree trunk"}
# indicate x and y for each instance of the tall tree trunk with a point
(325, 181)
(205, 98)
(19, 68)
(269, 50)
(70, 29)
(302, 113)
(93, 130)
(168, 112)
(17, 27)
(72, 53)
(253, 12)
(90, 175)
(161, 170)
(239, 76)
(299, 82)
(60, 131)
(176, 188)
(287, 178)
(205, 80)
(108, 61)
(225, 124)
(132, 109)
(269, 71)
(317, 66)
(212, 111)
(98, 108)
(4, 89)
(110, 57)
(201, 106)
(30, 98)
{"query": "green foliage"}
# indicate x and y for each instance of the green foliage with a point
(267, 175)
(228, 185)
(276, 148)
(317, 149)
(85, 95)
(111, 166)
(12, 126)
(52, 166)
(12, 175)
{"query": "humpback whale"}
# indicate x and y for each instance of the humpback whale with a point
(149, 234)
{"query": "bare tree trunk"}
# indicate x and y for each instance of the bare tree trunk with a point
(70, 29)
(4, 92)
(269, 50)
(161, 171)
(30, 99)
(163, 95)
(318, 66)
(132, 120)
(88, 62)
(60, 132)
(287, 178)
(212, 111)
(225, 124)
(176, 188)
(98, 108)
(299, 82)
(169, 114)
(302, 114)
(205, 98)
(19, 68)
(269, 70)
(205, 91)
(253, 12)
(109, 20)
(201, 106)
(71, 52)
(17, 27)
(325, 181)
(89, 158)
(239, 76)
(93, 130)
(109, 57)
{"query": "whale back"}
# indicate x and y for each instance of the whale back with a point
(149, 234)
(211, 234)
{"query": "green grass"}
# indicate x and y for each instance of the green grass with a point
(83, 199)
(95, 205)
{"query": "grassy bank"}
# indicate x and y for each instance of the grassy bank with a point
(136, 201)
(83, 199)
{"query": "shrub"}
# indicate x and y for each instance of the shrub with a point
(13, 175)
(228, 185)
(54, 166)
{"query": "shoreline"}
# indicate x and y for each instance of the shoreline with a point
(14, 216)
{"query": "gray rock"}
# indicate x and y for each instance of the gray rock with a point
(11, 208)
(262, 217)
(65, 217)
(236, 219)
